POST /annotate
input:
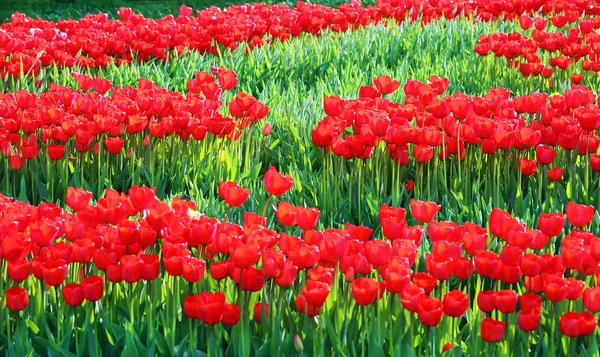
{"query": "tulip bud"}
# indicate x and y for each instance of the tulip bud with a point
(298, 343)
(266, 130)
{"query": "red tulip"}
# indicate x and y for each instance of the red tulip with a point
(78, 199)
(492, 330)
(365, 290)
(276, 183)
(411, 296)
(114, 145)
(307, 217)
(210, 307)
(580, 215)
(377, 252)
(529, 319)
(423, 153)
(315, 292)
(527, 167)
(18, 270)
(424, 211)
(544, 154)
(231, 314)
(16, 298)
(447, 347)
(233, 194)
(258, 311)
(555, 174)
(218, 270)
(574, 324)
(591, 299)
(551, 224)
(245, 255)
(73, 294)
(16, 162)
(486, 300)
(92, 288)
(506, 301)
(56, 151)
(55, 272)
(430, 311)
(455, 303)
(425, 281)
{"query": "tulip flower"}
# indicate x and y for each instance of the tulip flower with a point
(455, 303)
(16, 298)
(365, 290)
(580, 215)
(430, 311)
(492, 330)
(424, 211)
(233, 194)
(276, 183)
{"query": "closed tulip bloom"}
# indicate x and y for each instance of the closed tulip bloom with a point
(486, 300)
(430, 311)
(529, 319)
(218, 270)
(506, 301)
(92, 287)
(276, 183)
(364, 290)
(253, 279)
(16, 298)
(259, 308)
(18, 269)
(574, 288)
(551, 224)
(55, 272)
(231, 314)
(545, 154)
(492, 330)
(555, 174)
(574, 324)
(73, 294)
(555, 288)
(580, 215)
(378, 252)
(591, 299)
(315, 292)
(455, 303)
(530, 300)
(423, 153)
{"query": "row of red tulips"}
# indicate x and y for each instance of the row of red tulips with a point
(104, 130)
(136, 238)
(509, 143)
(493, 121)
(63, 115)
(581, 44)
(95, 40)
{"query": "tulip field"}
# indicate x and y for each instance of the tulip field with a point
(392, 178)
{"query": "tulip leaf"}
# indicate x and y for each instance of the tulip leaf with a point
(407, 350)
(31, 325)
